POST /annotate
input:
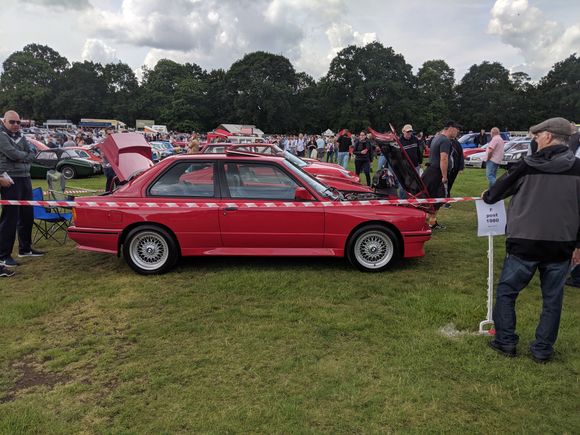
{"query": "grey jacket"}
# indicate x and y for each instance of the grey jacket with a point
(16, 153)
(544, 214)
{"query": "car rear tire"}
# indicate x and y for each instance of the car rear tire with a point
(68, 172)
(150, 250)
(372, 248)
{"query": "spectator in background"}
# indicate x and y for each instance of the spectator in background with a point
(411, 145)
(69, 142)
(362, 156)
(436, 175)
(481, 139)
(574, 142)
(330, 154)
(193, 144)
(107, 169)
(344, 143)
(320, 147)
(311, 147)
(50, 142)
(494, 153)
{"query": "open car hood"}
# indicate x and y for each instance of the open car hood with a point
(401, 164)
(128, 153)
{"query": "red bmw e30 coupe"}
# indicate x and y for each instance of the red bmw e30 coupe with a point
(236, 204)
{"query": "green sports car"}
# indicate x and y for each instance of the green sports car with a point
(66, 161)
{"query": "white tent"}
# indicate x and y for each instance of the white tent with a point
(328, 132)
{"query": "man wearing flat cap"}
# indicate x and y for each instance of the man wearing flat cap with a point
(543, 233)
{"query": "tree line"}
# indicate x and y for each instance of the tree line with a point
(365, 86)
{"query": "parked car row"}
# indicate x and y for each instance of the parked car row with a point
(514, 151)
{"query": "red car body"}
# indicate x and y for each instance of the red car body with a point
(313, 221)
(86, 153)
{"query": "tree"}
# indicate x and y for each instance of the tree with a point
(122, 86)
(486, 97)
(82, 92)
(261, 87)
(436, 95)
(559, 91)
(370, 85)
(31, 80)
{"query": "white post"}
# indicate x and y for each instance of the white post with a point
(489, 318)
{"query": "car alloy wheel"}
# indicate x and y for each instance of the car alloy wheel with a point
(150, 250)
(372, 248)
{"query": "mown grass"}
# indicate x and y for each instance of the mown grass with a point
(278, 345)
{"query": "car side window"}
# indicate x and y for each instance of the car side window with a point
(186, 179)
(259, 181)
(47, 155)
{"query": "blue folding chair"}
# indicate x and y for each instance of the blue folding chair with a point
(48, 221)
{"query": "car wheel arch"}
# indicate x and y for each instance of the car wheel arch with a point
(388, 225)
(129, 228)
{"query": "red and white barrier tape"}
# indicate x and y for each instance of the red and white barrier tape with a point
(261, 204)
(75, 192)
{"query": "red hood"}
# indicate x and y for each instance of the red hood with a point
(128, 153)
(343, 184)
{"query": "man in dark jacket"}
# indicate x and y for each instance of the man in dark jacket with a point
(411, 145)
(481, 139)
(543, 232)
(16, 153)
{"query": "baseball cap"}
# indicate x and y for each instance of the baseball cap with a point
(407, 127)
(453, 124)
(558, 125)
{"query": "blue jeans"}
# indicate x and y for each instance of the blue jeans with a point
(490, 171)
(382, 162)
(343, 158)
(515, 276)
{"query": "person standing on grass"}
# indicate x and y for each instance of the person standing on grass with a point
(344, 142)
(362, 156)
(543, 233)
(435, 176)
(5, 181)
(494, 153)
(16, 153)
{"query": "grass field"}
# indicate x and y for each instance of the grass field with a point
(277, 345)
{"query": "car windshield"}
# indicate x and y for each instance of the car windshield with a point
(509, 146)
(322, 189)
(466, 138)
(294, 160)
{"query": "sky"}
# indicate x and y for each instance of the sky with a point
(523, 35)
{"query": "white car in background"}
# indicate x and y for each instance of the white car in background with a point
(477, 160)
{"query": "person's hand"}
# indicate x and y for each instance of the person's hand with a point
(364, 151)
(5, 181)
(576, 256)
(483, 193)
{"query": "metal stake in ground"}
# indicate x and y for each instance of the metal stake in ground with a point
(491, 221)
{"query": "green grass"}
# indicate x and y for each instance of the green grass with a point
(277, 345)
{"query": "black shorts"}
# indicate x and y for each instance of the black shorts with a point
(432, 179)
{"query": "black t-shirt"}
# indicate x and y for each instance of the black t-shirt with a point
(411, 146)
(344, 144)
(439, 144)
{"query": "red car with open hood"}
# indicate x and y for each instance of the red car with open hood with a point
(235, 204)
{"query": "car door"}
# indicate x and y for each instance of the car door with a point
(191, 182)
(281, 229)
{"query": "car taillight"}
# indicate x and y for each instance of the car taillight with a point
(74, 215)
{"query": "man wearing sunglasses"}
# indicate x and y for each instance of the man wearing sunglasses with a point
(16, 153)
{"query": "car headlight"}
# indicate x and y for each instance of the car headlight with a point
(476, 159)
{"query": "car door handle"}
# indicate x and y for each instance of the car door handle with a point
(231, 208)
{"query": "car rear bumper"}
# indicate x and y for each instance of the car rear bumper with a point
(474, 164)
(96, 240)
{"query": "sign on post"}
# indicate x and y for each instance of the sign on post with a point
(491, 221)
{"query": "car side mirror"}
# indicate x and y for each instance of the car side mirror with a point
(303, 195)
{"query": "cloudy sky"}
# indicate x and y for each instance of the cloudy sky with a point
(524, 35)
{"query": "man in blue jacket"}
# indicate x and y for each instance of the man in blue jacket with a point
(543, 233)
(16, 153)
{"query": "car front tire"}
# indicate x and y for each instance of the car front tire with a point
(372, 248)
(150, 250)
